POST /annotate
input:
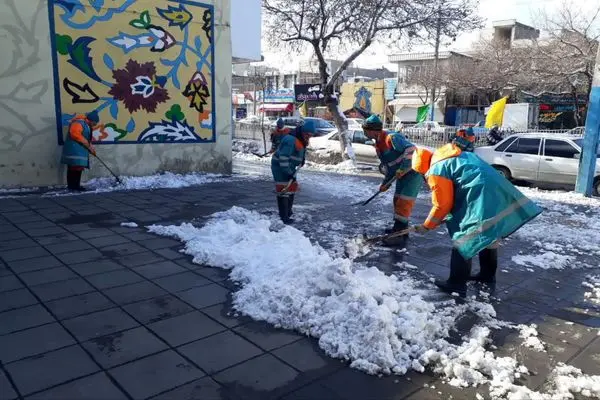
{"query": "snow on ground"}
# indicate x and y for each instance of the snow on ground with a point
(568, 227)
(529, 334)
(592, 282)
(378, 322)
(129, 224)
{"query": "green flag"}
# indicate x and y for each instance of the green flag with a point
(422, 113)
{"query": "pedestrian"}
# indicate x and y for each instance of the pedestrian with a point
(479, 207)
(395, 153)
(288, 158)
(464, 139)
(277, 134)
(77, 148)
(494, 136)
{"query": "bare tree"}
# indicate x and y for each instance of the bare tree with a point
(333, 26)
(257, 75)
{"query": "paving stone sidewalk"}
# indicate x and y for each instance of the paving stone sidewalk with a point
(93, 310)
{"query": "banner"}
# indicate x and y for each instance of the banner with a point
(496, 113)
(308, 92)
(390, 88)
(422, 113)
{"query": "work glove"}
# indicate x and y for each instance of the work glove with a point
(422, 229)
(92, 149)
(384, 188)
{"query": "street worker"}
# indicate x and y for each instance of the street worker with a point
(395, 154)
(464, 139)
(277, 134)
(479, 207)
(494, 136)
(288, 158)
(77, 148)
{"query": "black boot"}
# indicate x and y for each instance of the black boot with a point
(460, 270)
(71, 179)
(488, 262)
(398, 241)
(77, 181)
(290, 205)
(282, 204)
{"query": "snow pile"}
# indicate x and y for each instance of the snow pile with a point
(546, 260)
(593, 283)
(529, 334)
(165, 180)
(345, 167)
(381, 324)
(129, 224)
(246, 146)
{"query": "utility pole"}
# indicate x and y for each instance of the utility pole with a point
(436, 57)
(589, 157)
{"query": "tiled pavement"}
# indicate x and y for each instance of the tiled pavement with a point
(93, 310)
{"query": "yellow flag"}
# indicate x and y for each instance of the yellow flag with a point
(303, 110)
(496, 113)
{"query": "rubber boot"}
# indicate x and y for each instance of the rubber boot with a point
(488, 261)
(398, 241)
(72, 179)
(282, 204)
(460, 271)
(290, 205)
(77, 181)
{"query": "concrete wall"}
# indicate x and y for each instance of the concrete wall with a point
(29, 137)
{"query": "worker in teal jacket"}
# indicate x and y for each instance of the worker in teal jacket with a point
(288, 158)
(395, 153)
(77, 148)
(479, 207)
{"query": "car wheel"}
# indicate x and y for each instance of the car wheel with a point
(505, 172)
(596, 187)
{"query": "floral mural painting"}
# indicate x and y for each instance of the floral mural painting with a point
(147, 71)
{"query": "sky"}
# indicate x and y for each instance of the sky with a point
(524, 11)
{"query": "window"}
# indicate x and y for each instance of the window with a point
(335, 137)
(502, 146)
(525, 146)
(579, 143)
(359, 137)
(559, 148)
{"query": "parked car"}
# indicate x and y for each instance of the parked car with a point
(355, 123)
(579, 131)
(250, 120)
(539, 158)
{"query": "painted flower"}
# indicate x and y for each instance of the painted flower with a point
(157, 39)
(197, 92)
(138, 87)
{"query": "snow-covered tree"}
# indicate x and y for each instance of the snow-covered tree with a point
(334, 27)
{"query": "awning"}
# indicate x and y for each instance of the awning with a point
(277, 107)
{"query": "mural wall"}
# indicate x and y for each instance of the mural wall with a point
(148, 72)
(366, 95)
(161, 136)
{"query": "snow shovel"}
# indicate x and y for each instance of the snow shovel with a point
(364, 203)
(391, 235)
(261, 155)
(119, 181)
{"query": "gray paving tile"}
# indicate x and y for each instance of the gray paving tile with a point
(15, 244)
(139, 236)
(589, 359)
(94, 387)
(96, 267)
(263, 377)
(39, 224)
(104, 241)
(77, 257)
(159, 243)
(114, 278)
(214, 274)
(265, 336)
(158, 270)
(23, 254)
(38, 373)
(314, 391)
(16, 299)
(55, 230)
(204, 296)
(204, 389)
(99, 324)
(123, 249)
(23, 318)
(34, 264)
(62, 289)
(34, 341)
(186, 328)
(179, 282)
(121, 347)
(155, 374)
(6, 390)
(135, 260)
(56, 239)
(135, 292)
(157, 309)
(224, 314)
(75, 306)
(306, 356)
(170, 254)
(10, 283)
(66, 247)
(219, 351)
(47, 276)
(95, 233)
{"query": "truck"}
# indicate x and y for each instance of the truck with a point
(521, 116)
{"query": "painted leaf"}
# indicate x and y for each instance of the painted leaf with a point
(130, 126)
(198, 43)
(80, 57)
(175, 114)
(108, 61)
(167, 62)
(63, 44)
(146, 17)
(143, 22)
(114, 110)
(97, 4)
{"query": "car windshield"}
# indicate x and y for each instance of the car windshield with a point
(579, 143)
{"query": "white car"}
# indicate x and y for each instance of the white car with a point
(355, 123)
(538, 157)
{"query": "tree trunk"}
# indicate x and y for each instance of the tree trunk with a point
(340, 122)
(576, 115)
